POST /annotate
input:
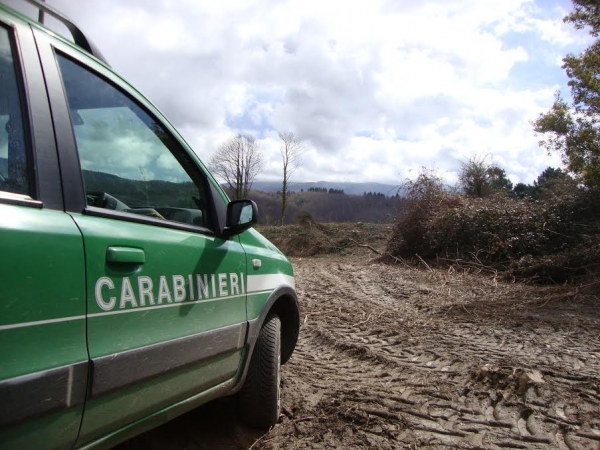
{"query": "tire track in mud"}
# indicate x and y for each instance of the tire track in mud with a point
(377, 366)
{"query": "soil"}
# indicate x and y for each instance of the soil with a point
(393, 356)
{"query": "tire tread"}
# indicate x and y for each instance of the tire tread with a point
(259, 397)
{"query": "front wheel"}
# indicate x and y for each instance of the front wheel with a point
(260, 396)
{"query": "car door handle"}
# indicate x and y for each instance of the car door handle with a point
(127, 255)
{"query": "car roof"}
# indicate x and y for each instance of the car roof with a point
(79, 38)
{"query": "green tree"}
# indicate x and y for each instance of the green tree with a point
(552, 182)
(480, 178)
(573, 130)
(498, 180)
(549, 176)
(522, 190)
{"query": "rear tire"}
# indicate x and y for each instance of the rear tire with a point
(259, 399)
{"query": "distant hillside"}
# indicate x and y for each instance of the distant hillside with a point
(348, 188)
(325, 207)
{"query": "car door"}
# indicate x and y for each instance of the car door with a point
(166, 294)
(44, 363)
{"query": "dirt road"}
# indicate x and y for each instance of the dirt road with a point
(395, 357)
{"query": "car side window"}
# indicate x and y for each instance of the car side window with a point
(130, 162)
(14, 174)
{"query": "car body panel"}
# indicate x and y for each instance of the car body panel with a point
(53, 431)
(114, 321)
(106, 414)
(189, 284)
(268, 269)
(42, 325)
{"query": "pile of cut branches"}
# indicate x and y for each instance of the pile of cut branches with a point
(552, 240)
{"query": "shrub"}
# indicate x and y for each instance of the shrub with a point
(554, 239)
(425, 198)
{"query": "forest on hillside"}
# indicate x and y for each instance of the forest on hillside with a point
(328, 205)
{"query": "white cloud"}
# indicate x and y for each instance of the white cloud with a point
(377, 88)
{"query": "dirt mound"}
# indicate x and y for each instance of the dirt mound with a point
(310, 238)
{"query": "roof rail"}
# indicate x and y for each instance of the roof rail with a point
(78, 37)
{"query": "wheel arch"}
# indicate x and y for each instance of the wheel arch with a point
(286, 307)
(284, 302)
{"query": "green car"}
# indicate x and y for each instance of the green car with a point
(132, 289)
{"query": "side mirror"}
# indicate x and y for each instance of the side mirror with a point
(241, 215)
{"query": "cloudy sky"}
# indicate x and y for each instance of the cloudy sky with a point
(376, 89)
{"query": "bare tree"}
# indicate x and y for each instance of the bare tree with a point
(291, 152)
(237, 162)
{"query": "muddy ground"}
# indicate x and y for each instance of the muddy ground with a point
(391, 356)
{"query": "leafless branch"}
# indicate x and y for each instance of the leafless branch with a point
(291, 150)
(237, 162)
(423, 261)
(365, 245)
